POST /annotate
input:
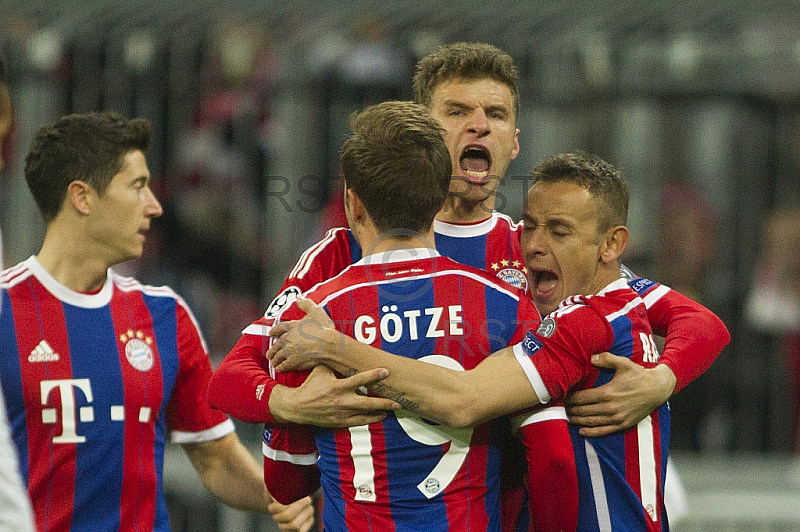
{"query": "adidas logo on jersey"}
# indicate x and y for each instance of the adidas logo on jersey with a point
(43, 353)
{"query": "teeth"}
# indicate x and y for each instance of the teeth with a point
(472, 173)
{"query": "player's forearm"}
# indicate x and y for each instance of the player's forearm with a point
(453, 398)
(285, 408)
(416, 387)
(241, 385)
(231, 473)
(664, 380)
(694, 336)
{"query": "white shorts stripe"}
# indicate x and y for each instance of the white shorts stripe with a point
(598, 488)
(648, 478)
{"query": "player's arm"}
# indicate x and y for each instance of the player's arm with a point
(225, 467)
(454, 398)
(694, 338)
(242, 387)
(290, 463)
(231, 473)
(552, 473)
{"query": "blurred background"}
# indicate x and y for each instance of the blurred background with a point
(697, 103)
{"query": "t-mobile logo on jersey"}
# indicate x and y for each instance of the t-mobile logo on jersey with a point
(65, 387)
(69, 419)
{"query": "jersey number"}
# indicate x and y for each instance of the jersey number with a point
(649, 348)
(418, 430)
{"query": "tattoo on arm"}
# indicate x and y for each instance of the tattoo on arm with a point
(388, 392)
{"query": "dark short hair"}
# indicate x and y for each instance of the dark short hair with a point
(464, 61)
(90, 147)
(397, 163)
(600, 178)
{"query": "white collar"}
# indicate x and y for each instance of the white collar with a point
(398, 255)
(77, 299)
(465, 230)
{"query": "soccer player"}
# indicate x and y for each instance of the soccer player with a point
(574, 233)
(95, 367)
(402, 473)
(471, 88)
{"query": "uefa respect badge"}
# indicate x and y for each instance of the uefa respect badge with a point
(531, 344)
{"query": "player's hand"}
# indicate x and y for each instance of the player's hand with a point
(298, 343)
(631, 395)
(295, 517)
(327, 401)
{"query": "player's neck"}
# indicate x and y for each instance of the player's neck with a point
(65, 256)
(373, 242)
(606, 274)
(459, 210)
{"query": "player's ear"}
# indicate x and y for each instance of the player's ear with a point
(80, 196)
(355, 205)
(615, 240)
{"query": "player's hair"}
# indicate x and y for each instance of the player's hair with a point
(464, 61)
(600, 178)
(90, 147)
(397, 163)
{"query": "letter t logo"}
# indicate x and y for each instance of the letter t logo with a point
(69, 421)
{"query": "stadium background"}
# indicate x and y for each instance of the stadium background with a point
(698, 103)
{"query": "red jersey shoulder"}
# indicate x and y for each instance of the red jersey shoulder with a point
(506, 221)
(320, 262)
(323, 260)
(11, 277)
(617, 299)
(576, 315)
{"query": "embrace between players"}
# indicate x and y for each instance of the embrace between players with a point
(429, 272)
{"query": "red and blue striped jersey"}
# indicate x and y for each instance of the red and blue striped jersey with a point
(405, 473)
(491, 245)
(92, 383)
(620, 477)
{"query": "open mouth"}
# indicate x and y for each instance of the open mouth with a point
(543, 283)
(475, 162)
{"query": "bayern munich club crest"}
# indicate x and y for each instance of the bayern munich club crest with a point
(138, 350)
(514, 277)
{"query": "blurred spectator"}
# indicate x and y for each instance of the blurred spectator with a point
(213, 198)
(687, 248)
(773, 306)
(374, 59)
(332, 214)
(687, 240)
